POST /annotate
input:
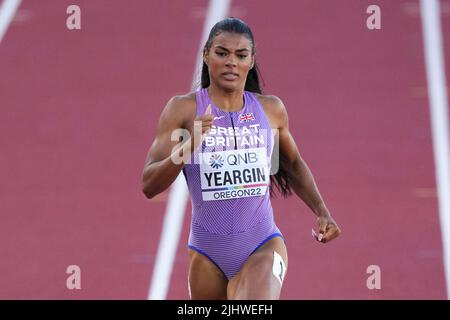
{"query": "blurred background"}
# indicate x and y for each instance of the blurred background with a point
(79, 109)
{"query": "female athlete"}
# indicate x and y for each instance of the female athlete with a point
(236, 251)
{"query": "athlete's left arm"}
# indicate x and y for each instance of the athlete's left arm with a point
(303, 183)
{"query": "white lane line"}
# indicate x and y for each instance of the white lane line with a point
(434, 63)
(8, 9)
(178, 197)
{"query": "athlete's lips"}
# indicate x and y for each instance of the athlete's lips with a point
(230, 76)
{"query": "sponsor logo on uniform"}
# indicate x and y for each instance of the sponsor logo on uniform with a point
(216, 161)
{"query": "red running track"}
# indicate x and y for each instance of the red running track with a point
(79, 110)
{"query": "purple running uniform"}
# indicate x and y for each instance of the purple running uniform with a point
(228, 180)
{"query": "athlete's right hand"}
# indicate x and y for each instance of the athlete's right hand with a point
(202, 126)
(204, 122)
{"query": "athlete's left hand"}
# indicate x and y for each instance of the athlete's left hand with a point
(328, 229)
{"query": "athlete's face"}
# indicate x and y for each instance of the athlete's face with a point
(229, 60)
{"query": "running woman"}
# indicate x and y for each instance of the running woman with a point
(236, 251)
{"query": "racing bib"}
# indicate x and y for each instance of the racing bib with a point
(233, 174)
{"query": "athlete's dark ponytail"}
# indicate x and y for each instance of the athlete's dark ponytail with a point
(282, 180)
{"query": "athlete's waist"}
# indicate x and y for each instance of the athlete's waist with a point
(226, 224)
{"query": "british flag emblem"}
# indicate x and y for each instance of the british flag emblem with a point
(246, 117)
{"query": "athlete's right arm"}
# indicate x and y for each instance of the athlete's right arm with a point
(159, 169)
(165, 158)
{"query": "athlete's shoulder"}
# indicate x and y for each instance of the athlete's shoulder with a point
(270, 101)
(268, 98)
(180, 109)
(273, 107)
(183, 100)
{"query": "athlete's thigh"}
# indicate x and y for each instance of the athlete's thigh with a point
(206, 281)
(257, 279)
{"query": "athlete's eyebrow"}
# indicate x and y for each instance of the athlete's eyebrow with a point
(238, 50)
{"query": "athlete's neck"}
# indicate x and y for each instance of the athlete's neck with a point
(226, 101)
